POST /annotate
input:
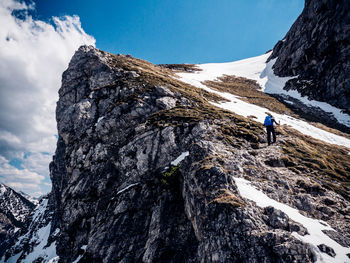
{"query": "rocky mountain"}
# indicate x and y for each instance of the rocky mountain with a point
(37, 241)
(317, 50)
(148, 169)
(14, 212)
(169, 163)
(34, 200)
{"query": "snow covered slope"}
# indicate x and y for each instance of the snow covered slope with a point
(13, 203)
(257, 69)
(36, 245)
(14, 213)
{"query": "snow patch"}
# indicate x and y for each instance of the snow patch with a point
(314, 227)
(2, 189)
(80, 256)
(180, 158)
(126, 188)
(54, 260)
(100, 119)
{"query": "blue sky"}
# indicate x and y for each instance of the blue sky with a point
(192, 31)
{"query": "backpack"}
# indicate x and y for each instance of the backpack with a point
(268, 121)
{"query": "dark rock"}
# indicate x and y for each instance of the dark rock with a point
(279, 220)
(316, 48)
(338, 237)
(275, 162)
(326, 249)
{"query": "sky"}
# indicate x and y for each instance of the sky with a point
(37, 40)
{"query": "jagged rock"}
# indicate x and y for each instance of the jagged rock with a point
(14, 212)
(279, 220)
(115, 193)
(146, 170)
(316, 49)
(326, 249)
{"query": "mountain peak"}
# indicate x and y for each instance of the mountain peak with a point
(170, 163)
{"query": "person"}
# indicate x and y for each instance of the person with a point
(268, 123)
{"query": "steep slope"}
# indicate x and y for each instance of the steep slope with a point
(317, 50)
(37, 241)
(147, 169)
(14, 212)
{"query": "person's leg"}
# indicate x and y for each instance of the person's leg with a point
(273, 134)
(268, 131)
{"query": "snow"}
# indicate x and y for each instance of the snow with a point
(12, 259)
(126, 188)
(256, 69)
(54, 260)
(314, 227)
(57, 231)
(100, 119)
(2, 189)
(80, 256)
(34, 200)
(39, 238)
(180, 158)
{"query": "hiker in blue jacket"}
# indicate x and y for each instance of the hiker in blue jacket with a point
(268, 123)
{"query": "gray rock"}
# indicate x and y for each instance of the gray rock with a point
(316, 48)
(326, 249)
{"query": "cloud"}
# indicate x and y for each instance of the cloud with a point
(33, 55)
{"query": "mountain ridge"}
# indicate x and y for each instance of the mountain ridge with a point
(14, 212)
(169, 163)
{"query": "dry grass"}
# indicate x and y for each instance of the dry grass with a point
(152, 75)
(227, 197)
(327, 164)
(181, 67)
(249, 91)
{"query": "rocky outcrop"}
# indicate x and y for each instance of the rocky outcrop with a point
(144, 172)
(14, 212)
(316, 49)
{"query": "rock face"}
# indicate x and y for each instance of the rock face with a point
(317, 50)
(14, 212)
(144, 172)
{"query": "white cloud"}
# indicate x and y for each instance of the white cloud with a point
(25, 180)
(33, 55)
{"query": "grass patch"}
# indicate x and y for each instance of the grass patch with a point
(229, 198)
(152, 75)
(249, 91)
(327, 164)
(181, 67)
(170, 176)
(234, 129)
